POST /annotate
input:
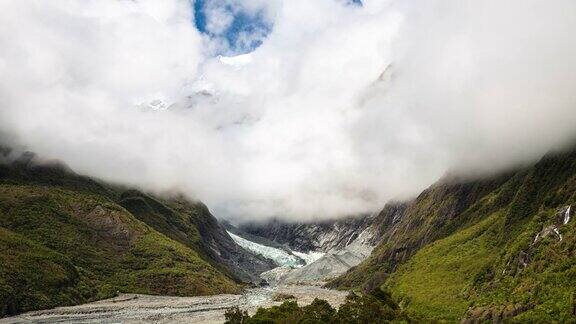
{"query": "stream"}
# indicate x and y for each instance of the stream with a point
(134, 308)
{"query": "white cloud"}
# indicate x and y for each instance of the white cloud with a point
(218, 19)
(341, 108)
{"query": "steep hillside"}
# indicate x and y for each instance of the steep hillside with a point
(191, 224)
(67, 239)
(404, 228)
(492, 249)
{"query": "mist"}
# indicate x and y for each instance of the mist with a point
(342, 107)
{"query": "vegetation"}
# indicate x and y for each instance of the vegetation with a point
(451, 258)
(65, 239)
(434, 281)
(437, 212)
(494, 249)
(375, 307)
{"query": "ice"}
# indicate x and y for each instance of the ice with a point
(281, 257)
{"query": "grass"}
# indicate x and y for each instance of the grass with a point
(32, 276)
(546, 285)
(456, 252)
(63, 247)
(434, 282)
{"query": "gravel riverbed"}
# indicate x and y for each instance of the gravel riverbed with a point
(133, 308)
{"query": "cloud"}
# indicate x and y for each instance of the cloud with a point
(341, 107)
(233, 26)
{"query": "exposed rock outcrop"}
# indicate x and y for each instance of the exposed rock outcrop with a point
(332, 264)
(316, 236)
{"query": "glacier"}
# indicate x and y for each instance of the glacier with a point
(325, 266)
(281, 257)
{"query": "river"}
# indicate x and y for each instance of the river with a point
(133, 308)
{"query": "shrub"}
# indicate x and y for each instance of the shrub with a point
(236, 316)
(375, 307)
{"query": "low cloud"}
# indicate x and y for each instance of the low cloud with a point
(341, 108)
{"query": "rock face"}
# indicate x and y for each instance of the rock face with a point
(241, 263)
(332, 264)
(548, 231)
(304, 237)
(109, 225)
(343, 243)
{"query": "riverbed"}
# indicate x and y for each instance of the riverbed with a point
(134, 308)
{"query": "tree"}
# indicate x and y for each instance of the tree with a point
(376, 307)
(235, 315)
(319, 311)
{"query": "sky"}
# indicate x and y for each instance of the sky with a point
(236, 29)
(298, 109)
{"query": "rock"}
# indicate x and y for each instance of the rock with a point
(523, 260)
(264, 283)
(110, 226)
(329, 266)
(509, 311)
(547, 231)
(317, 236)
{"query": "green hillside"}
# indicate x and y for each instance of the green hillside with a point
(66, 239)
(451, 258)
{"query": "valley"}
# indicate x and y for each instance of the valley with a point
(500, 247)
(298, 276)
(119, 254)
(287, 161)
(133, 308)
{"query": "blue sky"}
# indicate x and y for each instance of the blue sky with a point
(244, 23)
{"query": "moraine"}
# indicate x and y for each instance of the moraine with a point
(133, 308)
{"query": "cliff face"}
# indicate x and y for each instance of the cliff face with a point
(489, 249)
(338, 245)
(317, 236)
(67, 239)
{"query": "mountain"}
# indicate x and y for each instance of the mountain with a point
(498, 248)
(191, 224)
(328, 265)
(330, 247)
(67, 239)
(404, 228)
(310, 236)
